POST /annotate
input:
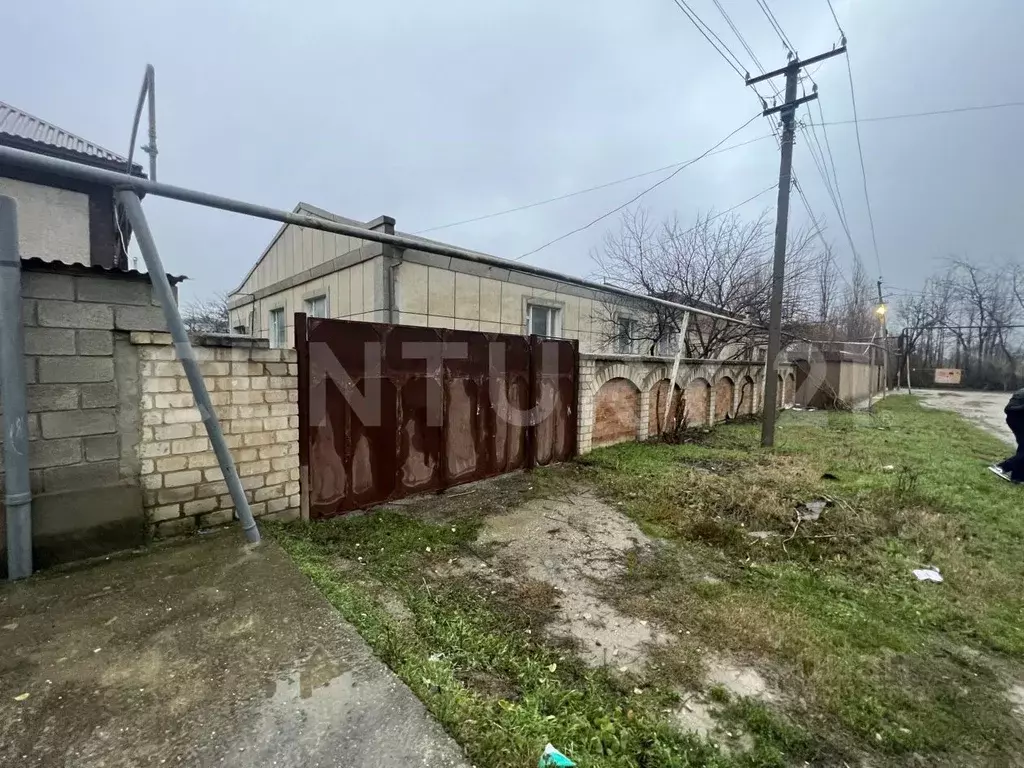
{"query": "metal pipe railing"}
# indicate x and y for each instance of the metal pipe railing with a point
(123, 181)
(183, 347)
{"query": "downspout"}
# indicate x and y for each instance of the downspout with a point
(18, 499)
(392, 278)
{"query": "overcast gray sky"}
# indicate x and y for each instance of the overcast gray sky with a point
(438, 112)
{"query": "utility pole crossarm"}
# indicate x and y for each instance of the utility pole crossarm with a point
(796, 65)
(790, 105)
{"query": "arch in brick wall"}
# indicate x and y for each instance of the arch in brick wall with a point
(790, 391)
(780, 389)
(698, 402)
(656, 408)
(616, 412)
(747, 396)
(616, 371)
(656, 376)
(705, 371)
(725, 391)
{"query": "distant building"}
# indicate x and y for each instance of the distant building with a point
(60, 218)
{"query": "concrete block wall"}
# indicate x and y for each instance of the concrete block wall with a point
(254, 391)
(82, 386)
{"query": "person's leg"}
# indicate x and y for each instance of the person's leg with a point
(1014, 466)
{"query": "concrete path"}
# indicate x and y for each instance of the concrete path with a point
(199, 653)
(983, 408)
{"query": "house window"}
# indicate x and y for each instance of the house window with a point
(625, 339)
(278, 333)
(316, 306)
(543, 321)
(668, 345)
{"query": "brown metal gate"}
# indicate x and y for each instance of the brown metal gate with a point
(386, 411)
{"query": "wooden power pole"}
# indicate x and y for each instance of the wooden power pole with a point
(788, 113)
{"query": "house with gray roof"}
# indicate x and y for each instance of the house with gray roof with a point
(329, 275)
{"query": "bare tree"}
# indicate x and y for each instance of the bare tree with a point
(968, 317)
(720, 263)
(207, 315)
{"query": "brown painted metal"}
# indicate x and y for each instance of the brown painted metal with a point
(302, 351)
(429, 419)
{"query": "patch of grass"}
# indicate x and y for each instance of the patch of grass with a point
(870, 660)
(474, 661)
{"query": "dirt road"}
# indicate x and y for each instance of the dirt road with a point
(983, 408)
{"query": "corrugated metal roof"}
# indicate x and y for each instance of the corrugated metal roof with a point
(22, 129)
(41, 265)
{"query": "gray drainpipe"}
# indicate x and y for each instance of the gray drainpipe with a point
(18, 499)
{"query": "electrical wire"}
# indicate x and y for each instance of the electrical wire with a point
(749, 50)
(641, 194)
(743, 42)
(605, 185)
(863, 171)
(835, 18)
(842, 222)
(701, 26)
(831, 158)
(951, 111)
(776, 26)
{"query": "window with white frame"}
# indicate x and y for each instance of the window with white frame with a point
(625, 337)
(543, 320)
(278, 332)
(316, 306)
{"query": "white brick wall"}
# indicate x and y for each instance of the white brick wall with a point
(255, 394)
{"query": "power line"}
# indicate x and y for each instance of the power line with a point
(835, 18)
(776, 26)
(863, 172)
(951, 111)
(833, 191)
(831, 158)
(701, 27)
(747, 48)
(605, 185)
(641, 194)
(743, 42)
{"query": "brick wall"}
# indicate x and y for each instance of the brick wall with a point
(616, 412)
(621, 397)
(82, 386)
(255, 395)
(725, 396)
(656, 416)
(698, 403)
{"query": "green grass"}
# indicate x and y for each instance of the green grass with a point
(869, 659)
(473, 656)
(868, 662)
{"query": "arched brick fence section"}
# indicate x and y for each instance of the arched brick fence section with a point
(780, 391)
(624, 412)
(656, 423)
(790, 396)
(746, 400)
(698, 402)
(725, 390)
(616, 412)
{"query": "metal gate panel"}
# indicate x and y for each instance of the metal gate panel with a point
(389, 411)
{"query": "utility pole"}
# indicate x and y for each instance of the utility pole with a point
(788, 112)
(882, 313)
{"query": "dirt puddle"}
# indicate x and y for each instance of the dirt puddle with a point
(575, 543)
